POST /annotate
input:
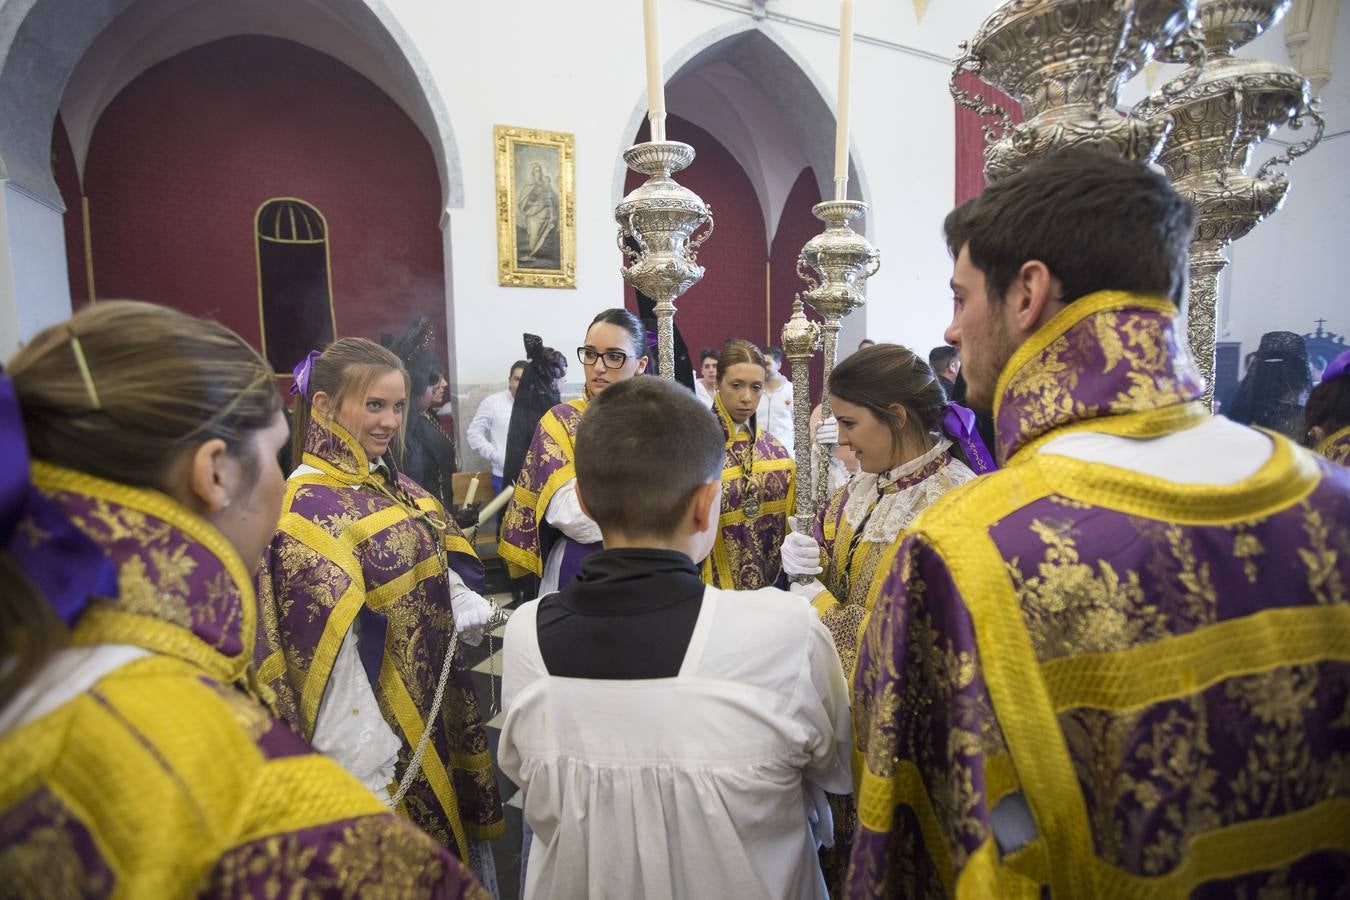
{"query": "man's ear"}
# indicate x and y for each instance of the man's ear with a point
(706, 506)
(1033, 298)
(212, 476)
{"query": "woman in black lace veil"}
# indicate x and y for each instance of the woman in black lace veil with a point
(536, 395)
(1273, 391)
(429, 452)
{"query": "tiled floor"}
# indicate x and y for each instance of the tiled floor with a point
(485, 664)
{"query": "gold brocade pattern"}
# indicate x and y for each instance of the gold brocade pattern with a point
(1336, 446)
(343, 551)
(45, 853)
(1166, 665)
(1107, 354)
(758, 492)
(548, 465)
(853, 579)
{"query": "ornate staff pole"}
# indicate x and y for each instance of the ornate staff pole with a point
(660, 216)
(801, 340)
(1219, 115)
(844, 260)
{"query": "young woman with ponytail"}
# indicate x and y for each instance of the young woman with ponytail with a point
(361, 592)
(912, 447)
(138, 752)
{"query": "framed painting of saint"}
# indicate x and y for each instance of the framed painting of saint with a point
(536, 220)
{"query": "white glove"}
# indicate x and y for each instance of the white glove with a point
(827, 432)
(471, 613)
(818, 815)
(801, 554)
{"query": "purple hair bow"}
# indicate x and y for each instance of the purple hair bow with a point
(1339, 368)
(60, 560)
(959, 423)
(302, 371)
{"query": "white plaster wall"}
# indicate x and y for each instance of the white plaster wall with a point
(579, 68)
(32, 265)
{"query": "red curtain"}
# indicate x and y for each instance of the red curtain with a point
(970, 141)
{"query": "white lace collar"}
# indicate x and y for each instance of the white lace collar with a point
(896, 509)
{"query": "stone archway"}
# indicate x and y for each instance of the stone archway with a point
(74, 56)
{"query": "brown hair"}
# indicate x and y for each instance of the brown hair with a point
(1328, 407)
(160, 382)
(346, 368)
(1097, 221)
(736, 351)
(623, 434)
(877, 376)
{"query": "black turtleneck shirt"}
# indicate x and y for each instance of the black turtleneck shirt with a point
(629, 614)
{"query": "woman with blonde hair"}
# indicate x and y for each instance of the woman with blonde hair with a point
(758, 478)
(364, 590)
(138, 755)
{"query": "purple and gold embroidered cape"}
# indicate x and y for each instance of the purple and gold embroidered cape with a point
(1336, 446)
(1140, 685)
(852, 580)
(170, 776)
(746, 555)
(346, 548)
(549, 464)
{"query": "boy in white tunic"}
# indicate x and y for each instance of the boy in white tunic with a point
(671, 739)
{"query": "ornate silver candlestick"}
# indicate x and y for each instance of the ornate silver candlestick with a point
(660, 216)
(801, 340)
(1216, 123)
(1065, 62)
(844, 260)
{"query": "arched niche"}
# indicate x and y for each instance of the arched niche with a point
(76, 55)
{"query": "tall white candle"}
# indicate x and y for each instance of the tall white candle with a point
(841, 115)
(656, 84)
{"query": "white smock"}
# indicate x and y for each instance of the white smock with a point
(692, 786)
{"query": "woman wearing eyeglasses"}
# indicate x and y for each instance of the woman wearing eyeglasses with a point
(544, 530)
(758, 478)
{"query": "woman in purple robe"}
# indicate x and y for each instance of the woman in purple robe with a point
(544, 531)
(363, 589)
(138, 753)
(1327, 423)
(758, 478)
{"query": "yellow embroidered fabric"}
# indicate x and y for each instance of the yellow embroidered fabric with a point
(1012, 652)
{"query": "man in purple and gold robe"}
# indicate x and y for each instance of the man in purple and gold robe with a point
(544, 531)
(1120, 665)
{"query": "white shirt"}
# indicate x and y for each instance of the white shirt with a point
(691, 786)
(487, 430)
(704, 395)
(1217, 451)
(775, 414)
(564, 513)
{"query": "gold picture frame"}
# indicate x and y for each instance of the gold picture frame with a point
(536, 216)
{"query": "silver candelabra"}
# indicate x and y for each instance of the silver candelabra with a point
(660, 217)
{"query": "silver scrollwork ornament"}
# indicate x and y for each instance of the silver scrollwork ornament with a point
(835, 264)
(1218, 116)
(1065, 62)
(660, 218)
